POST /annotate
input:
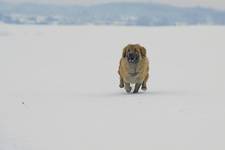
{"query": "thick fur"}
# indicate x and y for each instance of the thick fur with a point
(134, 73)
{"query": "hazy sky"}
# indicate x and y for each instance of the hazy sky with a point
(220, 4)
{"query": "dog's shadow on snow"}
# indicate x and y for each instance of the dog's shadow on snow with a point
(159, 93)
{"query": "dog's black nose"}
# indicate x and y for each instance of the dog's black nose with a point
(131, 56)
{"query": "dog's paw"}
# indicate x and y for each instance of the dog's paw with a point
(144, 88)
(121, 85)
(135, 91)
(128, 90)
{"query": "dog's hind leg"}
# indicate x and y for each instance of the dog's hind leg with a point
(121, 83)
(144, 86)
(137, 86)
(127, 87)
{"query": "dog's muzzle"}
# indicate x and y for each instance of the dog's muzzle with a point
(132, 58)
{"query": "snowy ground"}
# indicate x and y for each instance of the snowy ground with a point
(59, 89)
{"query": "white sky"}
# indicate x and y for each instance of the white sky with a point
(218, 4)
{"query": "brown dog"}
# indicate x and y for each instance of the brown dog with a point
(133, 68)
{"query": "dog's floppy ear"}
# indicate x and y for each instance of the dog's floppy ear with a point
(143, 51)
(124, 52)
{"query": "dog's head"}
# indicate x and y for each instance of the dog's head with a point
(134, 53)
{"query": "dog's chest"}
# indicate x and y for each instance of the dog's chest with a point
(132, 68)
(133, 74)
(133, 79)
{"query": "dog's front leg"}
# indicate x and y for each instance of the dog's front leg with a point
(144, 86)
(121, 83)
(137, 86)
(127, 87)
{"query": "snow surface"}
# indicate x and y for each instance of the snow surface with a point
(59, 89)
